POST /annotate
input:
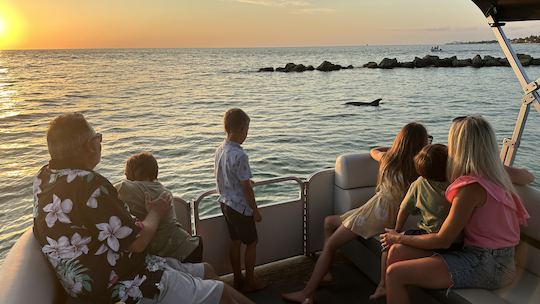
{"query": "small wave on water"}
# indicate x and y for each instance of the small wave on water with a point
(79, 96)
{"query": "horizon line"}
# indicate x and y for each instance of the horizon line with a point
(228, 47)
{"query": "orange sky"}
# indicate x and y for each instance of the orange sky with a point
(30, 24)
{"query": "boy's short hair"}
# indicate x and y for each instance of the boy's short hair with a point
(234, 120)
(430, 162)
(141, 166)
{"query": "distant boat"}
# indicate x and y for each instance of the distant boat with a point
(436, 49)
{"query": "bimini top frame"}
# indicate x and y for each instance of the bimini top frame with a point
(497, 12)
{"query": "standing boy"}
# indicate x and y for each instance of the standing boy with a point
(233, 179)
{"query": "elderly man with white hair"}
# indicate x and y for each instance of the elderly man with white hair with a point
(91, 240)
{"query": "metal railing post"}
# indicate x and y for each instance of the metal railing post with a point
(510, 145)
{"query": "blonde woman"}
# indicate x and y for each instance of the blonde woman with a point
(396, 173)
(483, 204)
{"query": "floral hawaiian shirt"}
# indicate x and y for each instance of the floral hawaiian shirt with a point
(85, 231)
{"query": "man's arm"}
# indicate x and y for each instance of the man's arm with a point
(156, 210)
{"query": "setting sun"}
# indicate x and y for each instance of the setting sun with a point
(10, 28)
(2, 27)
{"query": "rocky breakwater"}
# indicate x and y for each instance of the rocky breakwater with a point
(326, 66)
(434, 61)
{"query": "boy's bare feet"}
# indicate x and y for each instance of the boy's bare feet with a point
(255, 285)
(297, 297)
(379, 293)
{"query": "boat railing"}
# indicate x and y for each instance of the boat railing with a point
(282, 231)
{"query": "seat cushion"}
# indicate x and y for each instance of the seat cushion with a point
(356, 170)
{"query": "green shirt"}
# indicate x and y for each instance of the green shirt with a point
(171, 239)
(426, 198)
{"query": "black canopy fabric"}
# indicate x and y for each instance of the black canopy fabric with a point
(510, 10)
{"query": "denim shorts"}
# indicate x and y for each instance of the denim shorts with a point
(475, 267)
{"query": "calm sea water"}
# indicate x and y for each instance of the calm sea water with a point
(171, 102)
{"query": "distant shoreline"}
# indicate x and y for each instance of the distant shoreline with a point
(530, 39)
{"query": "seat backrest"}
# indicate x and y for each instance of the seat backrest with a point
(528, 252)
(26, 276)
(354, 182)
(183, 213)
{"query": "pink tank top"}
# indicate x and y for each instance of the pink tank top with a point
(496, 223)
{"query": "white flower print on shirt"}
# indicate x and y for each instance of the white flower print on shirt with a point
(92, 200)
(112, 232)
(62, 249)
(131, 288)
(58, 210)
(72, 174)
(53, 250)
(78, 245)
(112, 256)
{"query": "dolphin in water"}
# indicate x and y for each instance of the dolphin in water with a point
(374, 103)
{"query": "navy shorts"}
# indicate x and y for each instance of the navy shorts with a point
(241, 227)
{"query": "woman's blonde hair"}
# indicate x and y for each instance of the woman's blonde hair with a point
(397, 169)
(473, 150)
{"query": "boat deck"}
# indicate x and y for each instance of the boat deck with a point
(351, 286)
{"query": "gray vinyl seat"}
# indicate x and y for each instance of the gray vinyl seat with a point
(354, 184)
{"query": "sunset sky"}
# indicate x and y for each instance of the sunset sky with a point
(40, 24)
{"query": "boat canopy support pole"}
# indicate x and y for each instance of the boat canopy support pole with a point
(510, 145)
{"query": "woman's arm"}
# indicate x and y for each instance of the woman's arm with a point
(378, 152)
(519, 176)
(468, 198)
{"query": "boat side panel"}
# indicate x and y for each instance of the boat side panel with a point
(280, 236)
(320, 197)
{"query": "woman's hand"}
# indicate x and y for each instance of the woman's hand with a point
(389, 238)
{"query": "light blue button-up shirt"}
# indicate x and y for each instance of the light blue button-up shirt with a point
(230, 168)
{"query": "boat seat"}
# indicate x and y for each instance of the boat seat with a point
(353, 187)
(27, 277)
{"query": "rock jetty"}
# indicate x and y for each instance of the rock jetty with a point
(424, 62)
(326, 66)
(450, 62)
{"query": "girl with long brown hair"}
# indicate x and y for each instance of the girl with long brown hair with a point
(396, 173)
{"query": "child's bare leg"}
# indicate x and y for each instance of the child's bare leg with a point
(331, 223)
(234, 256)
(250, 256)
(381, 289)
(232, 296)
(341, 237)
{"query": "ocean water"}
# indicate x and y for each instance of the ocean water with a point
(171, 102)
